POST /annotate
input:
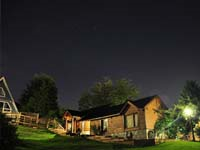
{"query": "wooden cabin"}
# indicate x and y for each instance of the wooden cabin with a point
(133, 119)
(7, 103)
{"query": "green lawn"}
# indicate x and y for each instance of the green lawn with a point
(37, 139)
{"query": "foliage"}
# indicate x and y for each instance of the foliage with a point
(166, 124)
(190, 93)
(189, 97)
(8, 136)
(197, 130)
(40, 96)
(123, 90)
(108, 92)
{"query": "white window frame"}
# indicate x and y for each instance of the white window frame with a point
(3, 92)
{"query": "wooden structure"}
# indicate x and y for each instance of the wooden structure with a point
(28, 119)
(7, 103)
(8, 107)
(133, 119)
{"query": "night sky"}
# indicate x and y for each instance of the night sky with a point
(156, 44)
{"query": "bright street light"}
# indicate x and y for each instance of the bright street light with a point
(189, 113)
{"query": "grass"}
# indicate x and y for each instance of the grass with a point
(38, 139)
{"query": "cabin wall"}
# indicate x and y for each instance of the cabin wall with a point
(151, 115)
(140, 131)
(85, 127)
(71, 123)
(94, 124)
(141, 117)
(116, 125)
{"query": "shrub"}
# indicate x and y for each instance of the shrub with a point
(197, 130)
(8, 136)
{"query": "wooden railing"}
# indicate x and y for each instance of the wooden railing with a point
(23, 118)
(32, 120)
(29, 119)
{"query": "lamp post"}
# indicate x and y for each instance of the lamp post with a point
(189, 113)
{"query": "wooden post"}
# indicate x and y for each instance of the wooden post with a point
(72, 124)
(66, 125)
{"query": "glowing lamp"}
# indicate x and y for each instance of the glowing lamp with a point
(188, 112)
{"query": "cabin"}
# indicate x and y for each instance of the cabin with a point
(7, 103)
(132, 119)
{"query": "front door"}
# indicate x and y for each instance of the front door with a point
(104, 125)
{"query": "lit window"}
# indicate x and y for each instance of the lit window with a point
(135, 120)
(2, 92)
(131, 120)
(105, 124)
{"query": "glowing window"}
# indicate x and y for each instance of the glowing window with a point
(131, 120)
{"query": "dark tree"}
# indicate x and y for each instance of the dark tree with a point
(8, 136)
(108, 92)
(40, 96)
(190, 93)
(189, 98)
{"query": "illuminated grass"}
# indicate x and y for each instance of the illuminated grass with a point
(38, 139)
(176, 145)
(25, 133)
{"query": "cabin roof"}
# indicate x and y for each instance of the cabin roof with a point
(109, 110)
(141, 103)
(102, 111)
(74, 112)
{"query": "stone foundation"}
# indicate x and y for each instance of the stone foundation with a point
(138, 134)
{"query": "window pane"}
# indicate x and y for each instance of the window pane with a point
(136, 120)
(129, 121)
(105, 124)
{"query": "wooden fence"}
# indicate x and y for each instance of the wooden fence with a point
(33, 120)
(24, 118)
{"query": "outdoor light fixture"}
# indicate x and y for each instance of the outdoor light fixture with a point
(189, 113)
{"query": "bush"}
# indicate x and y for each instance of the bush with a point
(197, 130)
(8, 136)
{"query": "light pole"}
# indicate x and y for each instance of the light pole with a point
(188, 113)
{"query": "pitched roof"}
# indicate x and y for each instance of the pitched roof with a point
(74, 112)
(6, 95)
(141, 103)
(102, 111)
(108, 110)
(5, 90)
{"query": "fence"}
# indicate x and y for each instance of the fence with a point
(24, 118)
